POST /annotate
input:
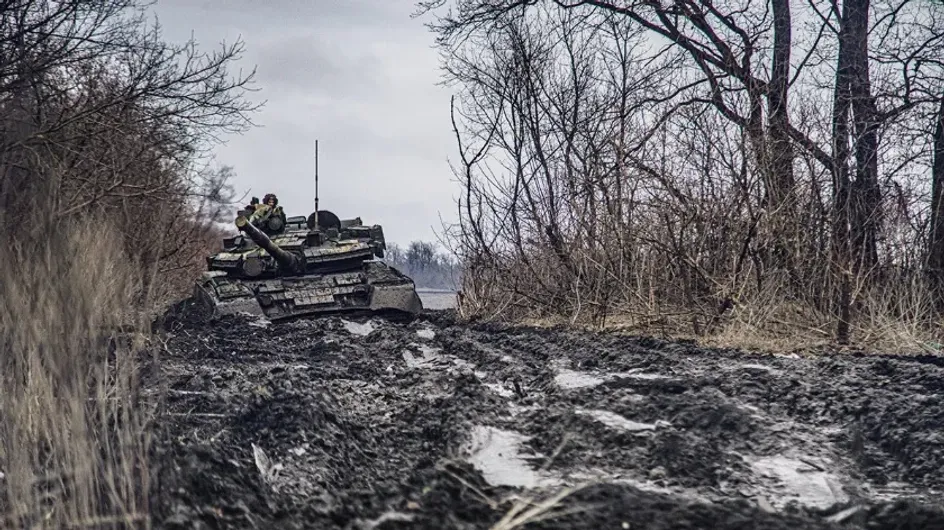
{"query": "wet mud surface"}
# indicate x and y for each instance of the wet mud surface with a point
(366, 423)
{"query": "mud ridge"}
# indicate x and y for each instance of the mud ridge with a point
(368, 423)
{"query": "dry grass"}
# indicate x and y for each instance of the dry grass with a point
(73, 440)
(529, 510)
(897, 317)
(900, 316)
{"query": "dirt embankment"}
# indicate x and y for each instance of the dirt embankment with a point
(341, 423)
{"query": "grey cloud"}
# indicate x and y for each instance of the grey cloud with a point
(358, 75)
(278, 13)
(311, 63)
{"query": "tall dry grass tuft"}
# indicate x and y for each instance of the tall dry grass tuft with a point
(900, 314)
(894, 310)
(73, 438)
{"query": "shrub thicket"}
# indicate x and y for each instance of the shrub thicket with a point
(759, 167)
(107, 203)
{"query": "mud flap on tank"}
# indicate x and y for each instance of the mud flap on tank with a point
(239, 305)
(398, 297)
(226, 298)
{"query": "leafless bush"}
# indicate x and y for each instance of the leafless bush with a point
(698, 160)
(108, 204)
(101, 114)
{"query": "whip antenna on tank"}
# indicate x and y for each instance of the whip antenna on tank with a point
(316, 184)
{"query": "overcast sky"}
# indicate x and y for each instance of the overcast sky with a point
(358, 75)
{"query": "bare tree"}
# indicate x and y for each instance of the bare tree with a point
(936, 240)
(805, 186)
(107, 202)
(102, 114)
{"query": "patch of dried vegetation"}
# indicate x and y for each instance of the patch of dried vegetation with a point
(107, 208)
(896, 317)
(73, 436)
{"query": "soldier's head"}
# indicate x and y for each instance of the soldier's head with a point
(270, 200)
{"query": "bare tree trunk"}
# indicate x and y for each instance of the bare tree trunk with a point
(841, 217)
(779, 173)
(866, 195)
(857, 203)
(781, 148)
(936, 236)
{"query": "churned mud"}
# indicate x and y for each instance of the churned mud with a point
(365, 423)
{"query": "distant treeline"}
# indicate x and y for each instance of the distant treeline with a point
(429, 267)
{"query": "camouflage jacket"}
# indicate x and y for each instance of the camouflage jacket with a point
(263, 211)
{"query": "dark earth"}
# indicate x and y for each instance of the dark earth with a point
(362, 423)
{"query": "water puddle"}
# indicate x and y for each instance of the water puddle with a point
(260, 322)
(621, 423)
(358, 329)
(428, 357)
(633, 374)
(571, 379)
(432, 357)
(499, 389)
(428, 350)
(462, 363)
(799, 482)
(497, 454)
(755, 366)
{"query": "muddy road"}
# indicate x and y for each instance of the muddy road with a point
(365, 423)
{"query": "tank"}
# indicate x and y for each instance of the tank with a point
(286, 267)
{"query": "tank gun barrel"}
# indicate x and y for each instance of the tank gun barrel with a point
(286, 259)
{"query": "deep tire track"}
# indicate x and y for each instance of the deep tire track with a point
(361, 421)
